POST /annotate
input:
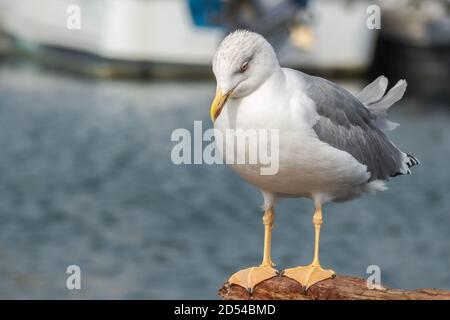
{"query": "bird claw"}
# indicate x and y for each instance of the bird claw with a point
(250, 277)
(309, 275)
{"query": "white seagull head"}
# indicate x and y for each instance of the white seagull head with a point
(243, 61)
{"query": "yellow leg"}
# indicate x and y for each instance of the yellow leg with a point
(313, 273)
(250, 277)
(268, 219)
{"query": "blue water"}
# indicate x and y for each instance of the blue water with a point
(86, 178)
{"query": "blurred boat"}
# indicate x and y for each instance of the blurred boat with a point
(414, 43)
(416, 23)
(321, 34)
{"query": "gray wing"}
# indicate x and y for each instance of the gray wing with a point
(347, 125)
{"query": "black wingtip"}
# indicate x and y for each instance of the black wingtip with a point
(412, 161)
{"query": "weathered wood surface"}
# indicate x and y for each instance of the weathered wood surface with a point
(339, 288)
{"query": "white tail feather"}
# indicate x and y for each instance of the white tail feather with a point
(374, 91)
(378, 103)
(393, 95)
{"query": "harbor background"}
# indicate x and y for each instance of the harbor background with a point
(86, 179)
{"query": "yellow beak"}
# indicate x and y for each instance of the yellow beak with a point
(219, 101)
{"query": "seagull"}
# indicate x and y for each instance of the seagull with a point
(332, 144)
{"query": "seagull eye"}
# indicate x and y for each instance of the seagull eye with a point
(244, 66)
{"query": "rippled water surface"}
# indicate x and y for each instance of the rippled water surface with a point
(86, 179)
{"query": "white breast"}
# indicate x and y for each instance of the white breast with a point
(307, 166)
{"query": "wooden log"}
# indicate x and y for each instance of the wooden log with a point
(339, 288)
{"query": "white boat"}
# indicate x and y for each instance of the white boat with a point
(164, 32)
